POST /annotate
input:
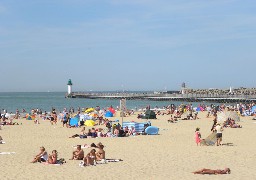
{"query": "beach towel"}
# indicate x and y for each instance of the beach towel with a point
(83, 146)
(210, 140)
(3, 153)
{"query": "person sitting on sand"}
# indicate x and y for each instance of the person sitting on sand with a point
(210, 171)
(78, 154)
(1, 140)
(94, 133)
(90, 158)
(100, 154)
(132, 131)
(52, 159)
(171, 120)
(100, 133)
(42, 156)
(83, 133)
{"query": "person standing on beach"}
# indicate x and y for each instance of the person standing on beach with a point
(65, 120)
(214, 122)
(219, 130)
(197, 136)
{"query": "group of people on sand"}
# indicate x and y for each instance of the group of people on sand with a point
(114, 131)
(44, 157)
(216, 128)
(92, 157)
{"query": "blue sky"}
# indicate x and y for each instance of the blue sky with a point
(126, 44)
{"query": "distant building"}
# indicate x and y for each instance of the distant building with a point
(184, 90)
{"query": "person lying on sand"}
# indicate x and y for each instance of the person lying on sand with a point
(78, 154)
(82, 134)
(210, 171)
(42, 156)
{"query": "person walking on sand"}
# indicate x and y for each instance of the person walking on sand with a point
(219, 130)
(197, 136)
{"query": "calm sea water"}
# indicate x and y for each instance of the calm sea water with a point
(45, 101)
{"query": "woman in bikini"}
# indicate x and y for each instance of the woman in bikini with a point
(210, 171)
(90, 158)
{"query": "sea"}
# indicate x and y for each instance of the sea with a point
(45, 101)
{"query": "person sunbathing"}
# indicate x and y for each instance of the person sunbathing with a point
(90, 158)
(42, 156)
(132, 131)
(78, 154)
(52, 159)
(210, 171)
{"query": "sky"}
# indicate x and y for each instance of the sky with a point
(126, 44)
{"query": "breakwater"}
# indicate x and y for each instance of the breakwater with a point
(219, 98)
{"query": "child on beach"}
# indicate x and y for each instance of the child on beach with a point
(197, 136)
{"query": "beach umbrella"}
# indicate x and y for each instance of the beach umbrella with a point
(109, 114)
(89, 123)
(112, 110)
(89, 110)
(223, 116)
(233, 115)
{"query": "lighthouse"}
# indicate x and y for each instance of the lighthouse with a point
(69, 87)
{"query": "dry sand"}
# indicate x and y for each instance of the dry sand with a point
(171, 155)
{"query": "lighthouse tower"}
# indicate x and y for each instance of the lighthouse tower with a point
(69, 87)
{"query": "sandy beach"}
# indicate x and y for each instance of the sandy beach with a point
(171, 155)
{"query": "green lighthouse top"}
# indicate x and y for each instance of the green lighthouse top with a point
(70, 82)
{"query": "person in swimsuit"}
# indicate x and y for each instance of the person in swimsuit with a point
(78, 154)
(41, 157)
(53, 157)
(210, 171)
(90, 158)
(100, 154)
